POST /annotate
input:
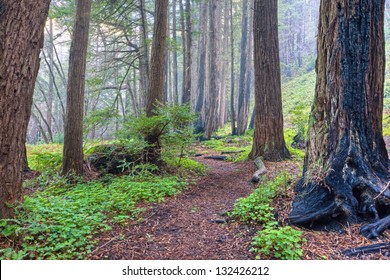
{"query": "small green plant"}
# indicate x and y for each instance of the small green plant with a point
(273, 241)
(256, 207)
(282, 243)
(173, 125)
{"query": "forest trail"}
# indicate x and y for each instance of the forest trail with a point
(185, 227)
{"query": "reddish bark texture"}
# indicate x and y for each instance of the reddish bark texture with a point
(21, 39)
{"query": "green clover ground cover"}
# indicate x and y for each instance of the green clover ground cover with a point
(59, 222)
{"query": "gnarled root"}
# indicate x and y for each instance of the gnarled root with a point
(374, 230)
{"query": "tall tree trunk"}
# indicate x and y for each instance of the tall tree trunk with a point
(144, 56)
(232, 76)
(225, 63)
(50, 92)
(21, 39)
(174, 54)
(188, 42)
(346, 163)
(268, 140)
(155, 94)
(213, 92)
(73, 134)
(241, 124)
(199, 108)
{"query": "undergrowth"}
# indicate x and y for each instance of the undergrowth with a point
(273, 241)
(59, 221)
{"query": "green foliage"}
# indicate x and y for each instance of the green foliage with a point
(282, 243)
(289, 135)
(299, 118)
(386, 125)
(59, 221)
(171, 123)
(240, 144)
(99, 119)
(272, 241)
(188, 165)
(298, 93)
(45, 157)
(256, 207)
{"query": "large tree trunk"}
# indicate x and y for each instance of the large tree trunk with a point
(188, 44)
(213, 94)
(73, 134)
(202, 55)
(242, 119)
(268, 141)
(232, 76)
(346, 163)
(21, 39)
(174, 54)
(155, 94)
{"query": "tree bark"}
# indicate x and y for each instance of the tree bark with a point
(155, 94)
(174, 54)
(232, 76)
(73, 157)
(202, 55)
(346, 162)
(21, 39)
(268, 141)
(213, 94)
(188, 42)
(241, 123)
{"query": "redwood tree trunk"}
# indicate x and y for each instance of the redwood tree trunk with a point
(188, 44)
(21, 39)
(201, 81)
(73, 134)
(346, 163)
(242, 118)
(268, 139)
(155, 94)
(213, 94)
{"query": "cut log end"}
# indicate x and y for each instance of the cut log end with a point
(261, 170)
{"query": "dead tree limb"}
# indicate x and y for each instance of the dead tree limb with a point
(374, 248)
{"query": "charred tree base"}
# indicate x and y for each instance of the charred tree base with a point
(336, 199)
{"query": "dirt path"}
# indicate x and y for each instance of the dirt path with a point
(183, 227)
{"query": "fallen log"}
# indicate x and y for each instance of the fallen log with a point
(232, 152)
(374, 248)
(261, 170)
(217, 157)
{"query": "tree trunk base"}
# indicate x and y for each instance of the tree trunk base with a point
(320, 203)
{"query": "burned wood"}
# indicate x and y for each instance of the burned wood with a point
(364, 250)
(261, 170)
(375, 229)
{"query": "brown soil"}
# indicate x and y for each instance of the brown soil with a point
(187, 226)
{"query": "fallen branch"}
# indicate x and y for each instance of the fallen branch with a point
(375, 248)
(105, 244)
